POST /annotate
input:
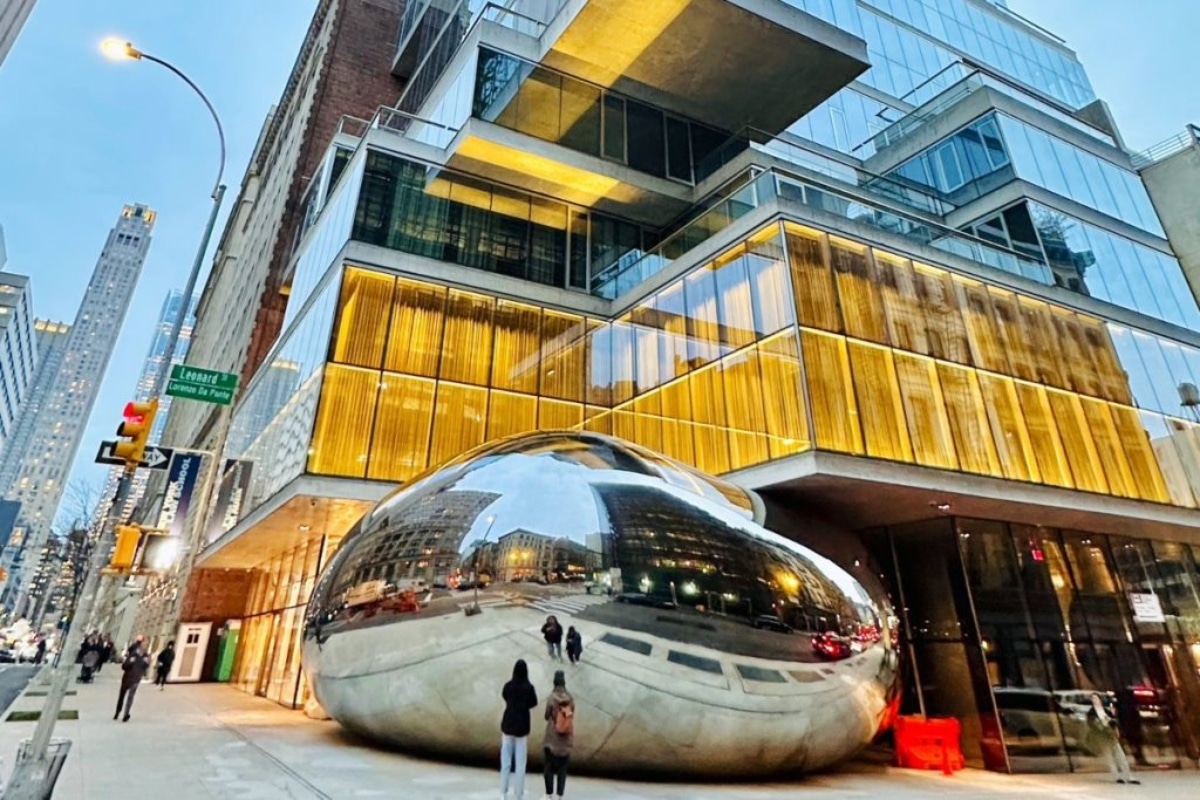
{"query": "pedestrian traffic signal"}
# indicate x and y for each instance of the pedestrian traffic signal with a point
(134, 433)
(125, 550)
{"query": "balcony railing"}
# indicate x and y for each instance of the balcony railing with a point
(1164, 150)
(636, 266)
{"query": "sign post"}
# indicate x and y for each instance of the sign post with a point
(206, 385)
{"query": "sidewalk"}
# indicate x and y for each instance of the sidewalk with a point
(198, 742)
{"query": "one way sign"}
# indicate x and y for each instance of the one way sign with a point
(155, 457)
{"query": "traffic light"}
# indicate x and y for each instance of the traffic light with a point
(125, 550)
(134, 433)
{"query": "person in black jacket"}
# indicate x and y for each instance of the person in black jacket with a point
(519, 699)
(163, 666)
(552, 632)
(134, 667)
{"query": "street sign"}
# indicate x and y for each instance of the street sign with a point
(206, 385)
(155, 458)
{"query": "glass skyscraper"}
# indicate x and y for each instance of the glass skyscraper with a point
(885, 260)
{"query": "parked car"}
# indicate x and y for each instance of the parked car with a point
(1034, 720)
(770, 622)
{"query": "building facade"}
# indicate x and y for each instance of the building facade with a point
(37, 461)
(885, 262)
(13, 14)
(18, 348)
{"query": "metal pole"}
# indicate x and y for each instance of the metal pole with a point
(29, 773)
(164, 367)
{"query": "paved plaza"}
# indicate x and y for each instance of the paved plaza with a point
(208, 741)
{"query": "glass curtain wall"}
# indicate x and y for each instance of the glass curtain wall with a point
(1035, 620)
(793, 339)
(268, 659)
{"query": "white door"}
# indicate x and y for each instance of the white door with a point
(191, 643)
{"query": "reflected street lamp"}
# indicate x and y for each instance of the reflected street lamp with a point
(479, 545)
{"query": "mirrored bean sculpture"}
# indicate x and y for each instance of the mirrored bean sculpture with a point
(711, 644)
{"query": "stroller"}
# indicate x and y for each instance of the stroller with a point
(88, 668)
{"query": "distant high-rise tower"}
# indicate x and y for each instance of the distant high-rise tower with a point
(13, 14)
(18, 351)
(145, 386)
(34, 468)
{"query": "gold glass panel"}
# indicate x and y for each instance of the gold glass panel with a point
(1079, 372)
(563, 355)
(598, 420)
(770, 287)
(676, 400)
(945, 329)
(1078, 446)
(1114, 381)
(862, 305)
(827, 373)
(1043, 435)
(1109, 448)
(1037, 330)
(624, 424)
(744, 409)
(647, 430)
(624, 360)
(342, 432)
(458, 421)
(1143, 463)
(735, 311)
(905, 315)
(708, 396)
(712, 448)
(1012, 439)
(1022, 359)
(647, 347)
(812, 280)
(983, 329)
(400, 444)
(518, 340)
(677, 440)
(879, 404)
(928, 423)
(467, 346)
(787, 426)
(557, 415)
(968, 420)
(415, 339)
(362, 323)
(511, 414)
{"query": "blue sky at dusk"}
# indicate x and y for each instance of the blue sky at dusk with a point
(81, 136)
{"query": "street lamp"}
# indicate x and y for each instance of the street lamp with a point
(479, 545)
(118, 50)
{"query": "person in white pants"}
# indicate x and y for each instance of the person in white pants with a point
(1108, 742)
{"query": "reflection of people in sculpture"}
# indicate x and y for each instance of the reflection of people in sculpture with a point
(1104, 741)
(519, 698)
(1129, 721)
(553, 634)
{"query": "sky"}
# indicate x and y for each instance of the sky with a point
(81, 136)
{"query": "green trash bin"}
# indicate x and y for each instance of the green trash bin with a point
(227, 650)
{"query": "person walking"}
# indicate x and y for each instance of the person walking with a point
(162, 667)
(40, 653)
(134, 667)
(552, 632)
(105, 647)
(1104, 740)
(519, 699)
(89, 654)
(560, 736)
(574, 645)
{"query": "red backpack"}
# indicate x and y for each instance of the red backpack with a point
(564, 720)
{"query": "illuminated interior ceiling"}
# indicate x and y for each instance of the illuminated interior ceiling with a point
(299, 519)
(728, 63)
(507, 157)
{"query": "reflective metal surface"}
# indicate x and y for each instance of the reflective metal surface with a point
(711, 644)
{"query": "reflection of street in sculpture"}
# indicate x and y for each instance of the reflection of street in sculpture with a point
(704, 627)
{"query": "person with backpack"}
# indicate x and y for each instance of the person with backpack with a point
(560, 736)
(552, 632)
(163, 664)
(574, 645)
(519, 699)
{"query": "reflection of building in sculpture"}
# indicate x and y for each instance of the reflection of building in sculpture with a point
(421, 547)
(525, 555)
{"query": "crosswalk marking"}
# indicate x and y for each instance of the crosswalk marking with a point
(572, 605)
